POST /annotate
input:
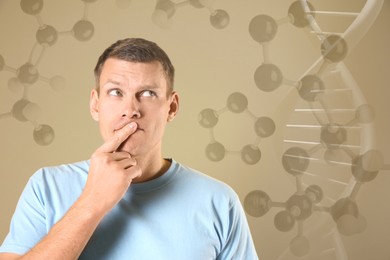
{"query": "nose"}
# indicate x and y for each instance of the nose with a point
(131, 109)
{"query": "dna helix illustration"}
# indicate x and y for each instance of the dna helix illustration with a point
(330, 129)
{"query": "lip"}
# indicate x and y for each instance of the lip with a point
(126, 123)
(122, 146)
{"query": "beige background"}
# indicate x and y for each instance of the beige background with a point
(211, 64)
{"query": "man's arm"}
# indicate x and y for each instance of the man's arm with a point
(238, 239)
(109, 177)
(67, 238)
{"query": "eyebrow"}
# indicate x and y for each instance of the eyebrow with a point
(113, 82)
(142, 87)
(151, 87)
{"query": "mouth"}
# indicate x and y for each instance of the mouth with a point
(126, 123)
(127, 143)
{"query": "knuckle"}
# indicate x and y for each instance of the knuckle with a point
(124, 155)
(96, 156)
(136, 171)
(132, 161)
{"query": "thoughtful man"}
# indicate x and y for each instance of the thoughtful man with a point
(127, 201)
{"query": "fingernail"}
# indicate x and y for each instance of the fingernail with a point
(132, 124)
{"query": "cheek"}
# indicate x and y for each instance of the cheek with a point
(109, 110)
(107, 117)
(105, 129)
(161, 116)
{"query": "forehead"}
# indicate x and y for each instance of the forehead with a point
(133, 72)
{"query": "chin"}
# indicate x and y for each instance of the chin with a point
(127, 146)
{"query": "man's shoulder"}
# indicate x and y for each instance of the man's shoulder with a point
(65, 170)
(70, 167)
(205, 182)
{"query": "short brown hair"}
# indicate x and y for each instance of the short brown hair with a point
(136, 50)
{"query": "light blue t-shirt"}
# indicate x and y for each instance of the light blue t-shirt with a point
(183, 214)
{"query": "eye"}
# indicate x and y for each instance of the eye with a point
(148, 93)
(115, 92)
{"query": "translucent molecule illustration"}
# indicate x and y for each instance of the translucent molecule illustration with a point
(32, 7)
(310, 88)
(314, 193)
(284, 221)
(366, 167)
(300, 246)
(47, 35)
(334, 48)
(268, 77)
(335, 134)
(263, 28)
(250, 154)
(264, 126)
(215, 151)
(208, 118)
(295, 160)
(236, 103)
(43, 135)
(219, 19)
(165, 10)
(28, 74)
(257, 203)
(83, 30)
(20, 108)
(298, 16)
(301, 205)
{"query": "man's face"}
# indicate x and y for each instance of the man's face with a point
(134, 92)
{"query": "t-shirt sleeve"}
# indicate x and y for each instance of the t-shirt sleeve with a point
(28, 225)
(238, 240)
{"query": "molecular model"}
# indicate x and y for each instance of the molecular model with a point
(236, 103)
(28, 74)
(165, 10)
(332, 136)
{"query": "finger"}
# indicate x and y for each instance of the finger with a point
(127, 163)
(112, 144)
(118, 156)
(133, 172)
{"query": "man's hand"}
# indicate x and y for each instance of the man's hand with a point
(111, 172)
(110, 175)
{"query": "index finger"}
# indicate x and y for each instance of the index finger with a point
(112, 144)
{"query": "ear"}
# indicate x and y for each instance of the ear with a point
(94, 105)
(173, 106)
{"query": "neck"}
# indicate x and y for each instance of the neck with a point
(152, 168)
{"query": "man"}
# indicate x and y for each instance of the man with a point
(127, 202)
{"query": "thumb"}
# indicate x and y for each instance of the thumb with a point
(112, 144)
